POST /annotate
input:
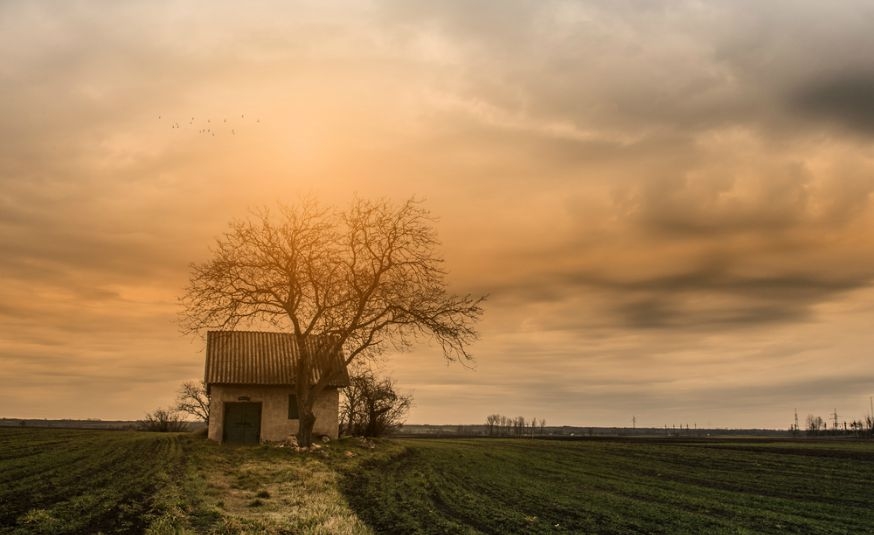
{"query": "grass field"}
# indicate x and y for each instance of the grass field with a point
(57, 481)
(82, 481)
(518, 486)
(75, 481)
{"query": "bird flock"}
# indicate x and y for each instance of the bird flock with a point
(210, 127)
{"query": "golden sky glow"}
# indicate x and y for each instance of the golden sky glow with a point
(669, 203)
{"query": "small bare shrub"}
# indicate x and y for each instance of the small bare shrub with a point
(163, 421)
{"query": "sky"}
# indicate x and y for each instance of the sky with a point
(668, 203)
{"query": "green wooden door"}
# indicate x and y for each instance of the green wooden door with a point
(242, 422)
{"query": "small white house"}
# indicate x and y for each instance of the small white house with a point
(250, 379)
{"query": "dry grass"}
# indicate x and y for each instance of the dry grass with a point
(262, 489)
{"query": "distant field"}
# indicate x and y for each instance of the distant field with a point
(534, 486)
(85, 481)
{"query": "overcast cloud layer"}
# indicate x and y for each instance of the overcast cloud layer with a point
(669, 203)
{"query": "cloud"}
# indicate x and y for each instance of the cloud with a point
(843, 100)
(679, 189)
(709, 297)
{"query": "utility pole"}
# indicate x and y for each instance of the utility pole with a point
(835, 414)
(633, 422)
(796, 421)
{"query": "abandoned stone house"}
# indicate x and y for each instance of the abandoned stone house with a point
(250, 379)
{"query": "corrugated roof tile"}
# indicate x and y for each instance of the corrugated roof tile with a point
(264, 358)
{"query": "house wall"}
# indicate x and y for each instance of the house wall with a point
(275, 424)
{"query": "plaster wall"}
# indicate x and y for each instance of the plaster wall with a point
(275, 424)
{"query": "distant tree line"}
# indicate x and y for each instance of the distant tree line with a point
(817, 426)
(500, 425)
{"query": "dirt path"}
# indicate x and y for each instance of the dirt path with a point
(269, 490)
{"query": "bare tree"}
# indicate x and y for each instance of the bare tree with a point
(372, 407)
(519, 425)
(193, 400)
(351, 406)
(492, 422)
(360, 281)
(163, 421)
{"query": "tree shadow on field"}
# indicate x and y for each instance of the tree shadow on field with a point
(398, 491)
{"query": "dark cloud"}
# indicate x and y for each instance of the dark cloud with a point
(798, 287)
(844, 100)
(716, 294)
(656, 68)
(663, 313)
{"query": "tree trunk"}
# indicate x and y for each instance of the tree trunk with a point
(305, 431)
(305, 395)
(306, 416)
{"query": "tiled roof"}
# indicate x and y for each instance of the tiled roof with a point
(263, 358)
